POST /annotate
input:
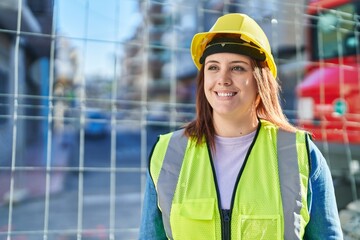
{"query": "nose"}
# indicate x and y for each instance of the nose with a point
(224, 79)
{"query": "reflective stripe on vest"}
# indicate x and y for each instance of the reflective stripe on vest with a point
(169, 174)
(290, 185)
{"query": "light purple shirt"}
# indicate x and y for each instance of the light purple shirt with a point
(228, 159)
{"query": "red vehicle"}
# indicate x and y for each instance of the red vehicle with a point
(329, 96)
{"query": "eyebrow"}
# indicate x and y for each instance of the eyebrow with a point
(235, 61)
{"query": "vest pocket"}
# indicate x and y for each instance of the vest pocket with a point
(259, 227)
(193, 219)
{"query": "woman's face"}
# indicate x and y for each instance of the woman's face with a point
(229, 85)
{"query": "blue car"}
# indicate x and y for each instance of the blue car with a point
(96, 124)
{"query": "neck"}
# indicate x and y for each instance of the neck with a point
(235, 127)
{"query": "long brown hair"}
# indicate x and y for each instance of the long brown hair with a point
(267, 106)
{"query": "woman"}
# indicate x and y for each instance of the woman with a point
(240, 170)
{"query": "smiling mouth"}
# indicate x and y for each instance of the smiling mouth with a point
(226, 94)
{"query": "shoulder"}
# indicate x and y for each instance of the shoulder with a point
(163, 140)
(177, 134)
(175, 139)
(267, 125)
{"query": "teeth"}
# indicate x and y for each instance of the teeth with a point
(225, 94)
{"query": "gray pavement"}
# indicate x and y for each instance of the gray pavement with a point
(350, 221)
(64, 221)
(77, 203)
(29, 179)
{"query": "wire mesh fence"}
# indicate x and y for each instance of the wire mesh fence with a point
(87, 86)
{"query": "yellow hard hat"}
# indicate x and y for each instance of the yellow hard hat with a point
(251, 38)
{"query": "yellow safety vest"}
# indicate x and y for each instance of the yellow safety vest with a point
(270, 196)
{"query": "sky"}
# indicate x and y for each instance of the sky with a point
(94, 27)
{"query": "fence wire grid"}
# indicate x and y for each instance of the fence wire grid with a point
(87, 86)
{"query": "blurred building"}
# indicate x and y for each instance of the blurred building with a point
(24, 70)
(157, 56)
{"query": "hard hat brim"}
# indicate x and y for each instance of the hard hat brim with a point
(200, 41)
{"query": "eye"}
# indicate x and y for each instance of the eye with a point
(238, 68)
(212, 67)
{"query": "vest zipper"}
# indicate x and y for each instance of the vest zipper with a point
(225, 214)
(226, 218)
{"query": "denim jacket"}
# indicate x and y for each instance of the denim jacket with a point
(324, 218)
